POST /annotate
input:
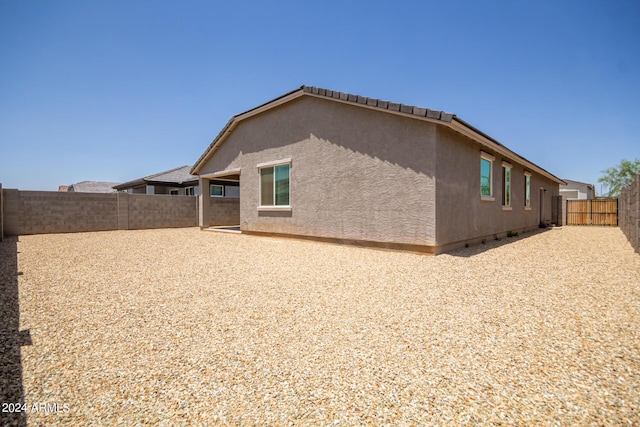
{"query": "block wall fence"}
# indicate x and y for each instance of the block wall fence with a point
(629, 213)
(1, 215)
(42, 212)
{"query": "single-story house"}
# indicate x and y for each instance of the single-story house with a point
(179, 182)
(316, 163)
(575, 190)
(90, 187)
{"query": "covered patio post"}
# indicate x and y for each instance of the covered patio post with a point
(203, 203)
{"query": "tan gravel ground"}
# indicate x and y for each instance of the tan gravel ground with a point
(187, 327)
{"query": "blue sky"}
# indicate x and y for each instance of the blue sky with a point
(113, 91)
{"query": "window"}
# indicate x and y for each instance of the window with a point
(174, 192)
(216, 190)
(274, 185)
(189, 191)
(527, 190)
(486, 172)
(506, 185)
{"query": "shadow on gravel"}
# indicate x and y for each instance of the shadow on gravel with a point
(492, 243)
(11, 338)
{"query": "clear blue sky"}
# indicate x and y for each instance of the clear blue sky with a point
(116, 90)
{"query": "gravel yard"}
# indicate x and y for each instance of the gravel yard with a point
(184, 327)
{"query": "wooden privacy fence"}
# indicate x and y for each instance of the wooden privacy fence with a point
(592, 212)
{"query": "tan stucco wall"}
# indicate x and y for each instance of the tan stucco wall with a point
(356, 173)
(460, 213)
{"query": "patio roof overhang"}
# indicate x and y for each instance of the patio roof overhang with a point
(225, 175)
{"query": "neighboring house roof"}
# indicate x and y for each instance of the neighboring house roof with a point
(570, 183)
(63, 188)
(436, 116)
(92, 187)
(176, 176)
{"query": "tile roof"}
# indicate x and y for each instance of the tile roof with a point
(179, 175)
(379, 103)
(92, 187)
(448, 119)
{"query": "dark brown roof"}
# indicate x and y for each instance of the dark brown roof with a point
(177, 176)
(379, 103)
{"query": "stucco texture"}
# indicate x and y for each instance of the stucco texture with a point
(461, 215)
(358, 174)
(355, 174)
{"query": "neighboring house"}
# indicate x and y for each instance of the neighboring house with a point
(177, 181)
(328, 165)
(574, 190)
(63, 188)
(90, 187)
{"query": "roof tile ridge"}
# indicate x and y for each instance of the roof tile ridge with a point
(380, 103)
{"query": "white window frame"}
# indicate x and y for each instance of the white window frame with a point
(273, 165)
(488, 157)
(174, 192)
(527, 189)
(506, 189)
(188, 190)
(216, 185)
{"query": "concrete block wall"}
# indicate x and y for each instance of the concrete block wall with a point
(41, 212)
(10, 212)
(1, 215)
(629, 213)
(123, 211)
(563, 202)
(224, 211)
(161, 211)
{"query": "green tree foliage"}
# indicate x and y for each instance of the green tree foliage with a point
(618, 177)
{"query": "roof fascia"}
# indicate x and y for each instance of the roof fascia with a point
(219, 174)
(269, 105)
(288, 98)
(237, 119)
(471, 132)
(129, 184)
(172, 183)
(164, 183)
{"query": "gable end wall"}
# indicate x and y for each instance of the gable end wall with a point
(356, 174)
